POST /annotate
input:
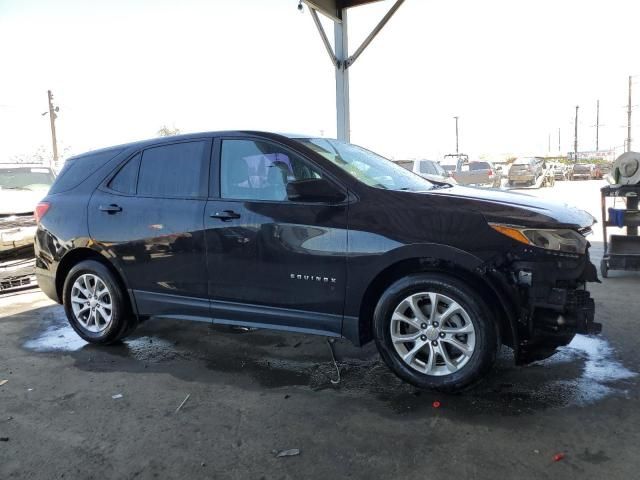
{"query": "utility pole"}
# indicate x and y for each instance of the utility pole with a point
(575, 138)
(549, 144)
(597, 125)
(629, 118)
(559, 148)
(456, 135)
(52, 120)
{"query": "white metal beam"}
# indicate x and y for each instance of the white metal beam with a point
(374, 32)
(342, 78)
(340, 57)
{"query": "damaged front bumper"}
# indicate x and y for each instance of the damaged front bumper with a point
(553, 305)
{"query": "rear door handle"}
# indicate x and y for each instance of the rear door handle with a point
(225, 215)
(110, 209)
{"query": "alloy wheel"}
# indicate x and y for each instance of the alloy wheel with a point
(432, 333)
(91, 302)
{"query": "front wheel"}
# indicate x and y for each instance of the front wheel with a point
(95, 304)
(435, 332)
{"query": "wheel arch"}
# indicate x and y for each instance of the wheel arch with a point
(495, 297)
(80, 254)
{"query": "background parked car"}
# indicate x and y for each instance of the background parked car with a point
(429, 169)
(526, 170)
(560, 171)
(22, 186)
(465, 172)
(583, 171)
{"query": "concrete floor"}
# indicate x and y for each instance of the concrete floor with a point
(255, 393)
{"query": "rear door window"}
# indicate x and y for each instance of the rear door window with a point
(126, 178)
(175, 170)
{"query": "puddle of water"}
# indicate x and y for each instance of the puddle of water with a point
(601, 369)
(56, 338)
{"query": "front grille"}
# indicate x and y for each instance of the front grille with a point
(16, 221)
(12, 283)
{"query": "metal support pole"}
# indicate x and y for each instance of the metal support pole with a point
(342, 78)
(629, 118)
(598, 126)
(575, 138)
(52, 119)
(456, 135)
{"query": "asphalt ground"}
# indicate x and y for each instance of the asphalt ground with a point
(75, 411)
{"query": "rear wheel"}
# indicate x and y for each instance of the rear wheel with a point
(95, 304)
(435, 332)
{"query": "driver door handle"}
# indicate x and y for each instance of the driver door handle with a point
(110, 209)
(225, 215)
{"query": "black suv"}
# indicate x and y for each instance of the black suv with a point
(318, 236)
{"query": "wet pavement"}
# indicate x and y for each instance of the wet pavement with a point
(254, 393)
(582, 373)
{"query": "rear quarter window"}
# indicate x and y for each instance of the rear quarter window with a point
(76, 170)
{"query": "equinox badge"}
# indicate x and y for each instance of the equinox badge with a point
(312, 278)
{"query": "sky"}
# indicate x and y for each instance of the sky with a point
(513, 71)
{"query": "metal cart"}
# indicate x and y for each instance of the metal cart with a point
(621, 252)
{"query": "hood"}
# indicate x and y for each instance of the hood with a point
(20, 201)
(517, 208)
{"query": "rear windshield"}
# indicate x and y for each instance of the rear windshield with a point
(26, 178)
(523, 161)
(76, 170)
(479, 166)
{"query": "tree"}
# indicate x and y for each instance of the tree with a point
(168, 131)
(43, 155)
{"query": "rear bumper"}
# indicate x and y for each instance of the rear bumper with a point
(521, 178)
(47, 284)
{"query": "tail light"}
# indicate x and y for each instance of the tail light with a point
(490, 173)
(41, 209)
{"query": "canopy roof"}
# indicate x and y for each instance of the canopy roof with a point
(333, 8)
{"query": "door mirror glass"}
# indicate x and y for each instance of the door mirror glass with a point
(313, 190)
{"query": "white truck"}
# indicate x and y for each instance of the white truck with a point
(22, 186)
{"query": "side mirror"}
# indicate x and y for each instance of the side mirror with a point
(313, 190)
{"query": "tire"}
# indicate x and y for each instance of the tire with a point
(604, 269)
(481, 339)
(92, 325)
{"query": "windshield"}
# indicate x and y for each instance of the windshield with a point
(368, 167)
(426, 166)
(25, 178)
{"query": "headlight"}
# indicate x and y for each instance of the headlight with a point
(559, 240)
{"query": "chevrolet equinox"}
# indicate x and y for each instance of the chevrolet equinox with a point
(318, 236)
